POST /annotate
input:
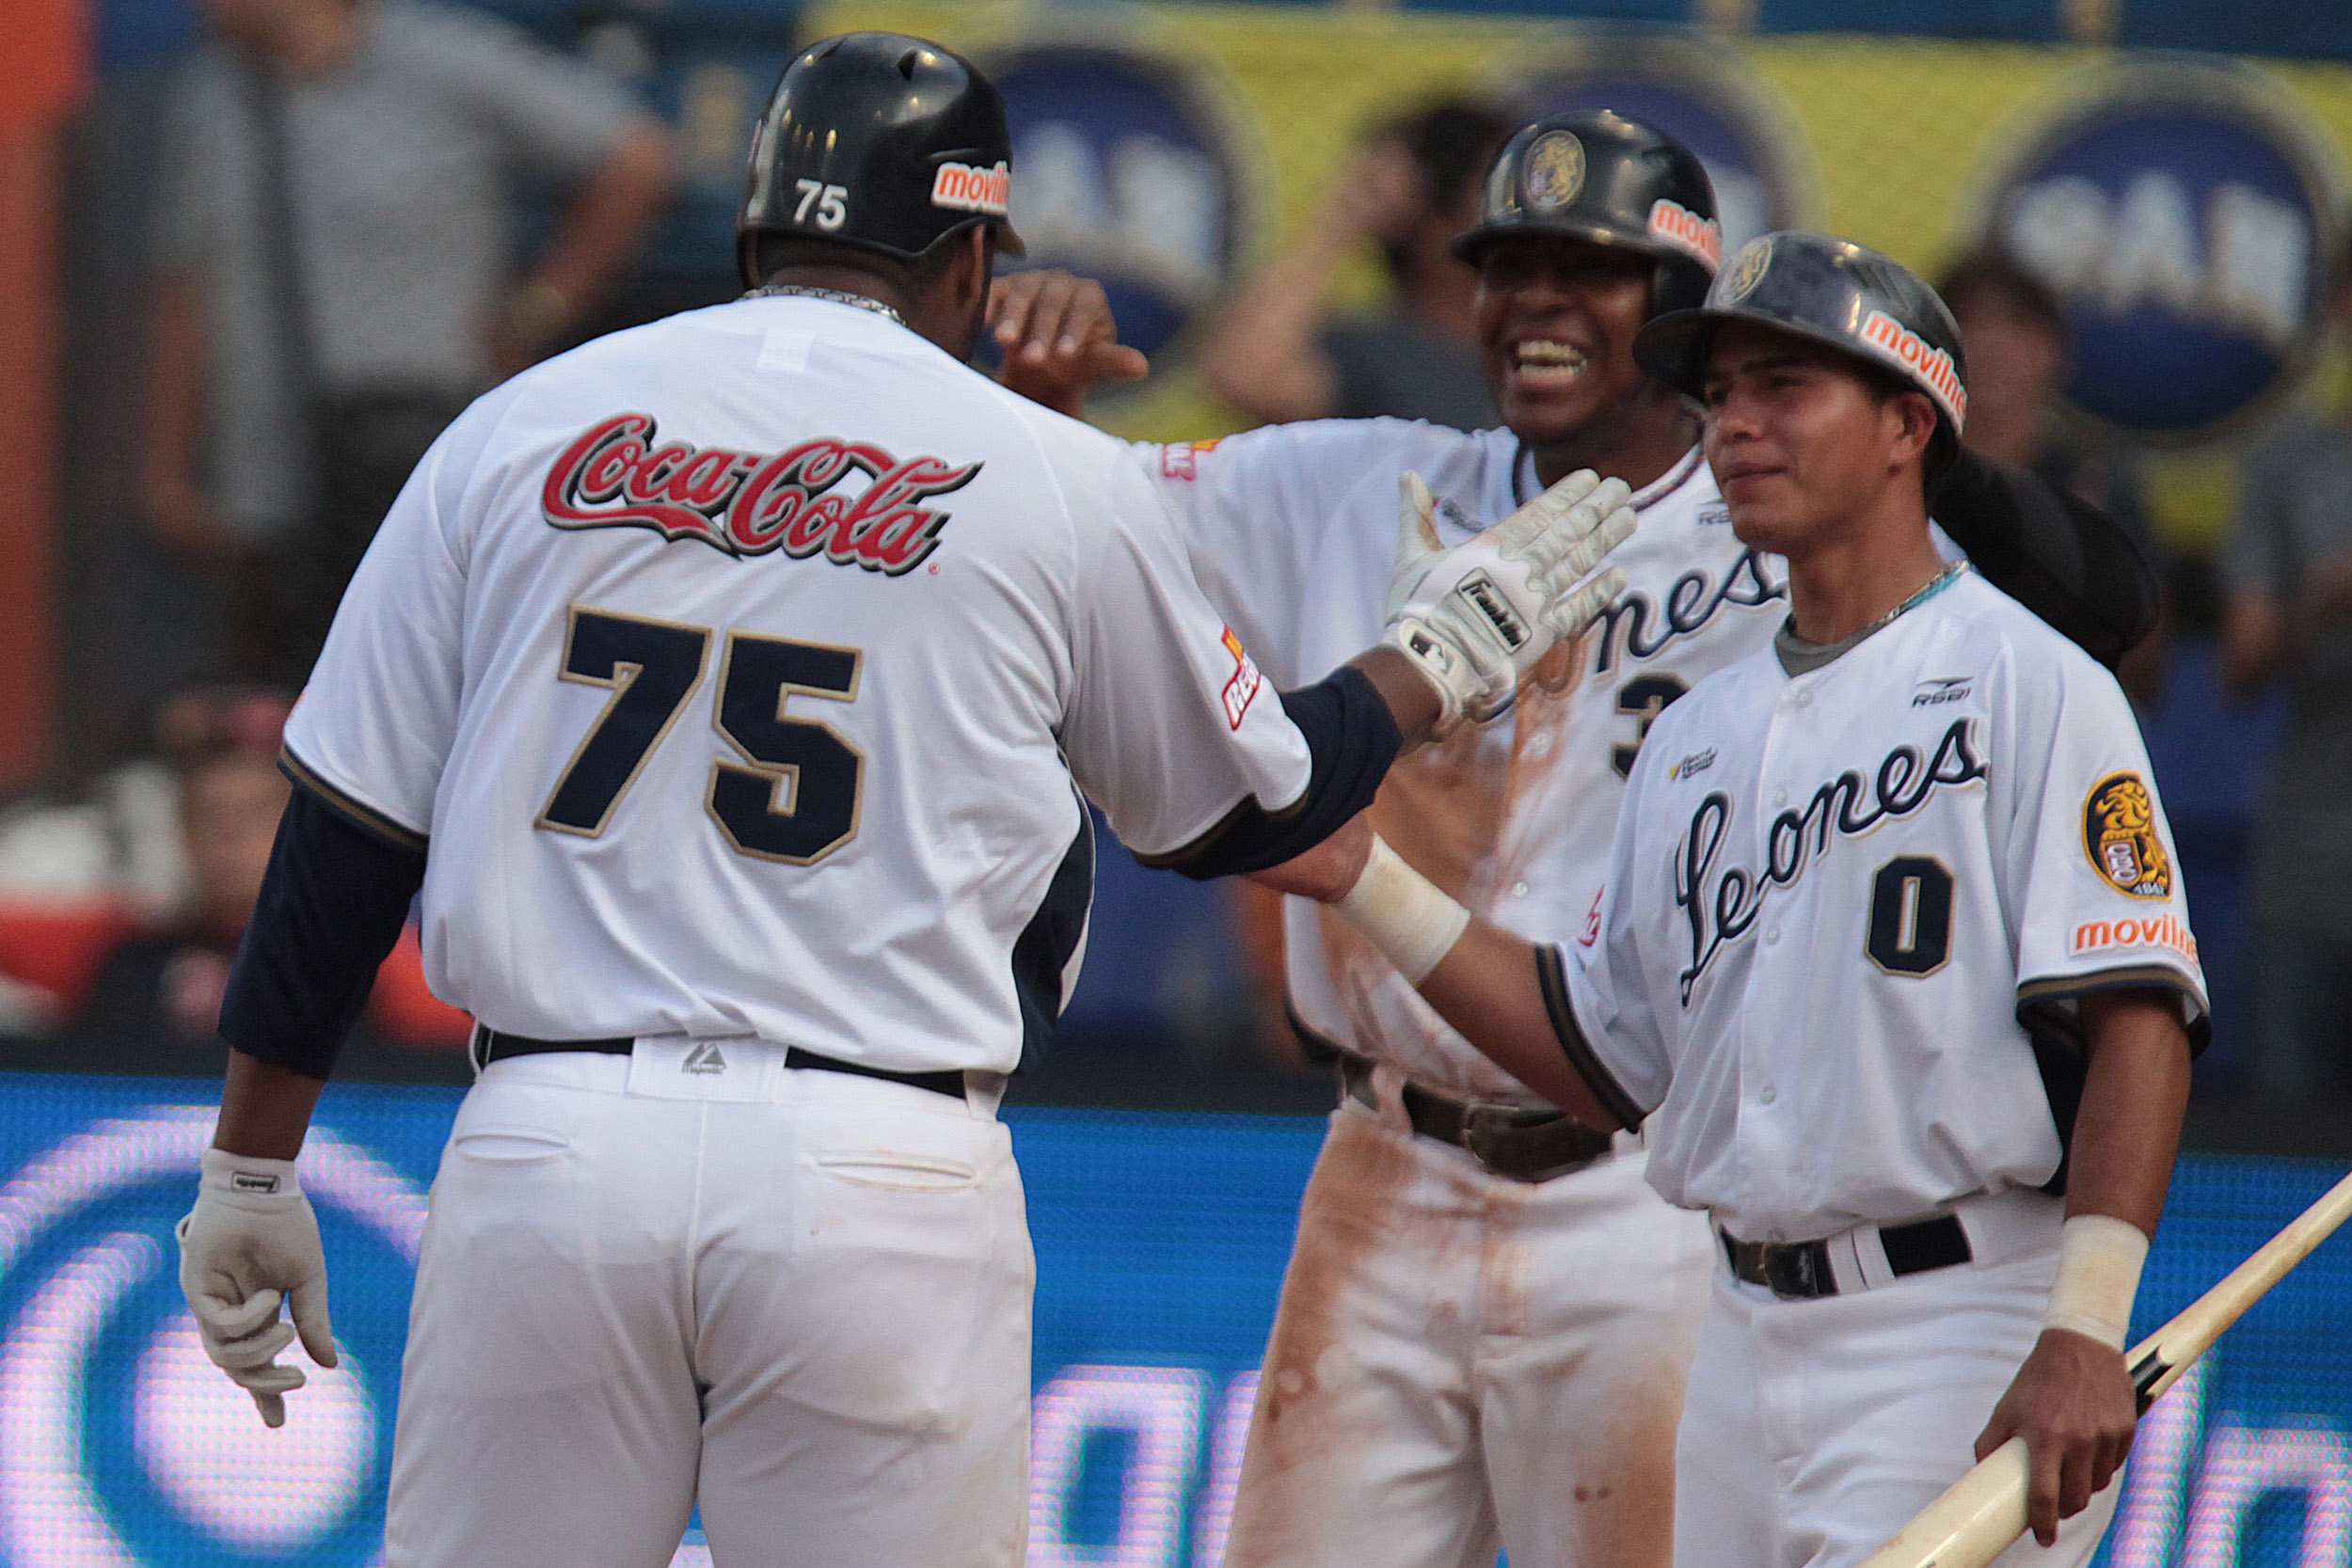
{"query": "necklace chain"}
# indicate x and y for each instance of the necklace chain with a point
(838, 296)
(1928, 590)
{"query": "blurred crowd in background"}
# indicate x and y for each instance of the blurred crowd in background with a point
(303, 234)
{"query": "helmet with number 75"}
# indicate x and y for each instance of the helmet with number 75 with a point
(881, 141)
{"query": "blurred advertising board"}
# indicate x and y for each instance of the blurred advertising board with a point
(2184, 206)
(1160, 1243)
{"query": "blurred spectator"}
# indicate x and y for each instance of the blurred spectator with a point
(2015, 335)
(136, 971)
(1410, 188)
(2287, 568)
(334, 279)
(159, 990)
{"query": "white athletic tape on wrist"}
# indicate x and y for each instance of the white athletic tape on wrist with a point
(2099, 1262)
(248, 1174)
(1403, 913)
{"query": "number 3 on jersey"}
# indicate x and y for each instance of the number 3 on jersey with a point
(1642, 700)
(795, 796)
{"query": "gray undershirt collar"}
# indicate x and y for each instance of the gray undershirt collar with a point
(1798, 657)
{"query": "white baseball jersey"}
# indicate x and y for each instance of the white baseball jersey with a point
(1293, 531)
(1831, 895)
(738, 666)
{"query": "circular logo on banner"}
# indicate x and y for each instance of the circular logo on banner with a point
(1704, 99)
(2182, 214)
(123, 1442)
(1121, 173)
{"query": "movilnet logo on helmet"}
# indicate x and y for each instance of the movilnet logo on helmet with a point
(1934, 366)
(974, 190)
(747, 503)
(1684, 230)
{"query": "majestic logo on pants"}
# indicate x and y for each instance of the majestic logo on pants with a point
(1723, 905)
(747, 503)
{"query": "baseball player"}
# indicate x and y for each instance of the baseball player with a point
(1483, 1331)
(1894, 953)
(724, 685)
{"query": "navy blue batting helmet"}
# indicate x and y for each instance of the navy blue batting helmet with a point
(1830, 291)
(882, 142)
(1604, 178)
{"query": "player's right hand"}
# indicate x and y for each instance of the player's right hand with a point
(2073, 1403)
(1476, 618)
(1058, 337)
(250, 1243)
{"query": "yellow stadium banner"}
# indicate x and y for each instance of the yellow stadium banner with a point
(2186, 210)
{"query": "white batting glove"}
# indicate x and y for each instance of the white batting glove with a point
(1476, 618)
(251, 1241)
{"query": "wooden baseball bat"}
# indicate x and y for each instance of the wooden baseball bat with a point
(1984, 1511)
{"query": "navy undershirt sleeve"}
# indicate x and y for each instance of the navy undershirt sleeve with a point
(1351, 739)
(331, 906)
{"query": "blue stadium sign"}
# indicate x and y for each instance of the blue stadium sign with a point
(1123, 173)
(2183, 213)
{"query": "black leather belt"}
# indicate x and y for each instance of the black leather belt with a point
(1511, 1141)
(1800, 1271)
(494, 1045)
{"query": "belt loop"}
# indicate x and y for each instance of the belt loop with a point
(983, 1092)
(474, 1039)
(1870, 1262)
(1845, 1252)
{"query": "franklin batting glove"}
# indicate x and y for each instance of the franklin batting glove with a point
(1476, 618)
(250, 1243)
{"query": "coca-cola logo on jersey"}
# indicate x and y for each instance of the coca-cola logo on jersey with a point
(803, 501)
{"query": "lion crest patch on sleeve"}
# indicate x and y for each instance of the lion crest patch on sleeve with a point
(2119, 837)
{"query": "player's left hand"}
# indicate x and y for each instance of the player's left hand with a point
(2074, 1405)
(244, 1248)
(1058, 337)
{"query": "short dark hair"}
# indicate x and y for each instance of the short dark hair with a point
(1452, 141)
(771, 253)
(1995, 274)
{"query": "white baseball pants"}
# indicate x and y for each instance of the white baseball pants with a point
(1462, 1362)
(801, 1298)
(1815, 1429)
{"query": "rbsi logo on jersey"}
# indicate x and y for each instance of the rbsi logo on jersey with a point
(745, 503)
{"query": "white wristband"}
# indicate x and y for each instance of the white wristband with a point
(2099, 1263)
(225, 1172)
(1403, 913)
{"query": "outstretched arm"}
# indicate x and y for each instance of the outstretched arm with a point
(1486, 982)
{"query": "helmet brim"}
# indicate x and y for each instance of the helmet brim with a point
(1472, 245)
(1674, 347)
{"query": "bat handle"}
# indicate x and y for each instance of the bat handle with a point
(1972, 1522)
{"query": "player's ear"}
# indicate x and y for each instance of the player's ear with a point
(1912, 418)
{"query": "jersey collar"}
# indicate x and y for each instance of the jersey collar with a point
(1524, 488)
